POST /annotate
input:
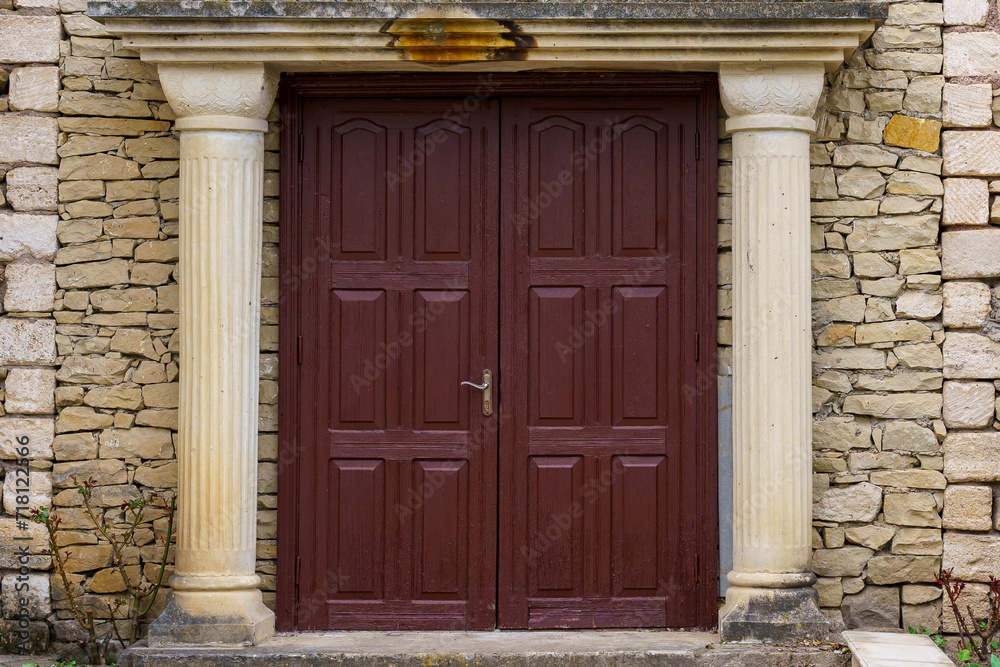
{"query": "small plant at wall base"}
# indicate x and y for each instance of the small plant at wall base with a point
(977, 636)
(139, 596)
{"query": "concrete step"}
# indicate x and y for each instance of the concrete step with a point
(579, 648)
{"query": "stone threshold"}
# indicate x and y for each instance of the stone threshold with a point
(580, 648)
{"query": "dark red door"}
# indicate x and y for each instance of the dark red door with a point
(399, 488)
(568, 245)
(599, 523)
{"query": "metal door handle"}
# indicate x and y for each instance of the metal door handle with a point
(487, 388)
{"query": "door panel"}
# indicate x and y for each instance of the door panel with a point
(402, 208)
(599, 224)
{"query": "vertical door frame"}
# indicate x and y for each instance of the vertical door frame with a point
(295, 88)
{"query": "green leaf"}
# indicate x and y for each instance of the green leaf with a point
(994, 661)
(964, 654)
(911, 630)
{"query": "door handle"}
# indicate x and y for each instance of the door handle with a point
(487, 388)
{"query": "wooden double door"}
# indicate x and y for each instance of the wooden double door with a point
(554, 242)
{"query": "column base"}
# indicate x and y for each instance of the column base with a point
(229, 618)
(775, 615)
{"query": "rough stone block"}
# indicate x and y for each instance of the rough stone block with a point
(875, 607)
(858, 502)
(145, 443)
(885, 570)
(31, 287)
(968, 508)
(968, 105)
(966, 202)
(917, 542)
(974, 557)
(966, 12)
(971, 53)
(971, 152)
(971, 253)
(30, 391)
(893, 233)
(909, 132)
(909, 437)
(37, 494)
(968, 404)
(34, 89)
(966, 304)
(971, 356)
(33, 188)
(29, 39)
(911, 509)
(93, 274)
(842, 562)
(27, 234)
(87, 370)
(27, 342)
(898, 406)
(35, 433)
(32, 588)
(972, 457)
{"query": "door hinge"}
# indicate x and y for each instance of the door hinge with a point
(298, 349)
(697, 146)
(302, 144)
(298, 568)
(697, 345)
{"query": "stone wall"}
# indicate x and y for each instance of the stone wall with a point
(906, 448)
(907, 346)
(88, 334)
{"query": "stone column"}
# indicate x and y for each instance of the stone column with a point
(221, 110)
(770, 117)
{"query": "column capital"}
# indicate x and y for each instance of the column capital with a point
(219, 96)
(766, 96)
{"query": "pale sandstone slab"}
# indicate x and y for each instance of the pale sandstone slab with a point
(93, 274)
(145, 443)
(27, 234)
(27, 342)
(29, 39)
(842, 434)
(893, 233)
(30, 391)
(966, 12)
(966, 304)
(33, 433)
(973, 557)
(908, 436)
(871, 536)
(857, 502)
(971, 54)
(970, 253)
(971, 152)
(873, 608)
(968, 508)
(924, 94)
(912, 479)
(972, 457)
(92, 370)
(898, 406)
(31, 286)
(39, 491)
(34, 89)
(966, 202)
(851, 359)
(32, 589)
(968, 105)
(971, 356)
(919, 260)
(918, 305)
(33, 188)
(968, 404)
(98, 167)
(28, 139)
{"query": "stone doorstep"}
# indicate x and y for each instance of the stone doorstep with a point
(580, 648)
(885, 649)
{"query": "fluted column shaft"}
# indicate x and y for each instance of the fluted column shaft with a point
(221, 113)
(770, 110)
